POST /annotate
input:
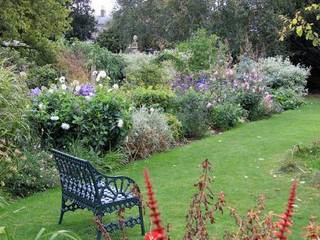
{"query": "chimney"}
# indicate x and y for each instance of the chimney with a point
(103, 12)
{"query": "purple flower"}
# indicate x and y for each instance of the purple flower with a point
(35, 92)
(86, 90)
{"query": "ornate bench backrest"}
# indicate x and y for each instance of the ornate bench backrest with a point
(77, 177)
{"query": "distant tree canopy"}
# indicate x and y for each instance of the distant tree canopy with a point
(83, 22)
(161, 23)
(35, 23)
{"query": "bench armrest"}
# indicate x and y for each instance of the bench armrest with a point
(112, 188)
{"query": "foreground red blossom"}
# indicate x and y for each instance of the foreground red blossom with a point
(285, 219)
(157, 232)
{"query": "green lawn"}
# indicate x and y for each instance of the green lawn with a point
(244, 160)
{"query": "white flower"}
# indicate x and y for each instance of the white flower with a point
(62, 79)
(77, 88)
(102, 74)
(23, 74)
(115, 86)
(88, 98)
(64, 87)
(151, 110)
(209, 105)
(120, 123)
(94, 73)
(54, 118)
(126, 139)
(41, 106)
(65, 126)
(75, 83)
(100, 85)
(51, 90)
(110, 90)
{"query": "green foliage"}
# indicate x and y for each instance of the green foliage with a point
(252, 102)
(106, 162)
(83, 21)
(14, 58)
(13, 105)
(149, 97)
(35, 172)
(111, 40)
(102, 59)
(32, 23)
(149, 134)
(147, 75)
(42, 76)
(175, 126)
(193, 114)
(288, 98)
(279, 72)
(200, 51)
(101, 122)
(310, 155)
(302, 26)
(225, 116)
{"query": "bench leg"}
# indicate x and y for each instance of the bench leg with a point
(143, 232)
(63, 205)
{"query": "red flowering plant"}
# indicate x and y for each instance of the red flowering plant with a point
(157, 232)
(312, 231)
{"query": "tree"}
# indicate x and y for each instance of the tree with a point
(83, 22)
(35, 23)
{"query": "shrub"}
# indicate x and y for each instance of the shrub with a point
(150, 133)
(41, 76)
(14, 58)
(150, 97)
(252, 102)
(225, 116)
(35, 172)
(200, 51)
(100, 120)
(288, 98)
(279, 72)
(102, 59)
(193, 113)
(175, 126)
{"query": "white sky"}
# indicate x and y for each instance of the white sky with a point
(107, 4)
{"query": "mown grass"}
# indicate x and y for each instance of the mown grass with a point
(245, 161)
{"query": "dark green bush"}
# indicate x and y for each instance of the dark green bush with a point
(39, 76)
(252, 102)
(193, 114)
(149, 97)
(225, 116)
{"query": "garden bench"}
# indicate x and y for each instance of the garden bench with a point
(83, 187)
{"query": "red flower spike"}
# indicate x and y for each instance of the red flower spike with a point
(158, 232)
(285, 219)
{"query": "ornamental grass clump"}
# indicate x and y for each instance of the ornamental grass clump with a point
(149, 133)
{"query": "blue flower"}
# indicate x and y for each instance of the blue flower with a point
(86, 90)
(35, 92)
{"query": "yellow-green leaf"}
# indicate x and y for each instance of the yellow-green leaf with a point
(294, 21)
(299, 31)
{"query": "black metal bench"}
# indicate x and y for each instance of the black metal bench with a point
(83, 187)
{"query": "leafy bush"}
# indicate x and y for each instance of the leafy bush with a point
(252, 102)
(102, 59)
(288, 98)
(279, 72)
(14, 58)
(42, 76)
(35, 172)
(200, 51)
(193, 113)
(150, 133)
(150, 97)
(100, 120)
(225, 116)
